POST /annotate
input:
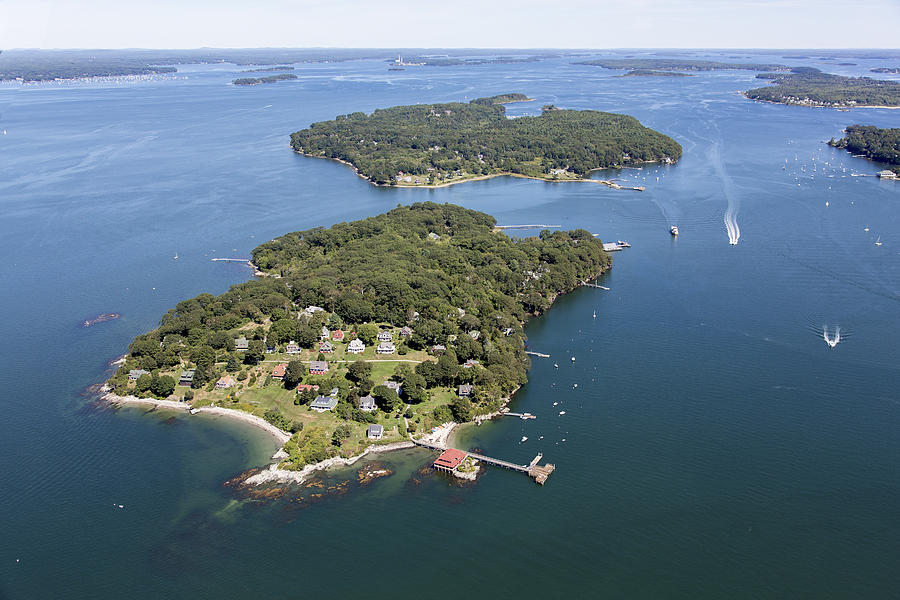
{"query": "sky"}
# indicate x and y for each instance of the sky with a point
(450, 24)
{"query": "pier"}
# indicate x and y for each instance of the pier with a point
(240, 260)
(533, 470)
(537, 354)
(594, 285)
(523, 416)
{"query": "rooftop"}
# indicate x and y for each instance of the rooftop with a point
(450, 459)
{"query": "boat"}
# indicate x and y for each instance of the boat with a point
(866, 229)
(562, 412)
(623, 244)
(878, 241)
(176, 256)
(573, 359)
(595, 314)
(524, 439)
(673, 230)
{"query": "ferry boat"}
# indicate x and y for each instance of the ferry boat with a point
(673, 230)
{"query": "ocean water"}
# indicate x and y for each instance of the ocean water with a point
(715, 445)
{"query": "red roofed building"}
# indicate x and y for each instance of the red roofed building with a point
(303, 387)
(337, 335)
(449, 460)
(279, 371)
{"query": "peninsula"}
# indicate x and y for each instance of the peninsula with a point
(882, 145)
(808, 86)
(654, 73)
(366, 332)
(667, 64)
(439, 144)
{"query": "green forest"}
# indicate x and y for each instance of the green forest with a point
(678, 65)
(808, 86)
(882, 145)
(435, 143)
(460, 290)
(269, 79)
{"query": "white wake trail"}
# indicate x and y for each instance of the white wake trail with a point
(734, 201)
(832, 341)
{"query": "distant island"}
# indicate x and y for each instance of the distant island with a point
(807, 86)
(441, 144)
(269, 69)
(363, 333)
(666, 64)
(653, 73)
(259, 80)
(890, 70)
(503, 99)
(882, 145)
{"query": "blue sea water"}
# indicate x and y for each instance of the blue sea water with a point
(715, 445)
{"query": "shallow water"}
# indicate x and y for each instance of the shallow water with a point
(715, 445)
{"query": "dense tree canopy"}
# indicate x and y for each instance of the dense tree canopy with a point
(808, 86)
(882, 145)
(437, 140)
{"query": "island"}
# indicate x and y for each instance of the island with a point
(503, 99)
(259, 80)
(363, 334)
(653, 73)
(889, 70)
(429, 145)
(666, 64)
(882, 145)
(808, 86)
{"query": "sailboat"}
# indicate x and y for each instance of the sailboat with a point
(595, 314)
(878, 241)
(175, 257)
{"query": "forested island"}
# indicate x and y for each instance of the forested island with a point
(438, 144)
(503, 99)
(668, 64)
(882, 145)
(808, 86)
(654, 73)
(393, 324)
(259, 80)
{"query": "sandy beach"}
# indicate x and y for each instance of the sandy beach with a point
(281, 436)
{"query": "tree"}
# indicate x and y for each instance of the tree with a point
(255, 353)
(143, 382)
(359, 370)
(232, 363)
(462, 410)
(162, 386)
(386, 398)
(294, 373)
(367, 332)
(341, 433)
(203, 356)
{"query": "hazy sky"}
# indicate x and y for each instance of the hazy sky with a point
(450, 23)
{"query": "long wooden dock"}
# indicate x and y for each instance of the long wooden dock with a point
(541, 354)
(242, 260)
(533, 470)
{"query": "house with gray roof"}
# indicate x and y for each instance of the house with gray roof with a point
(394, 385)
(356, 346)
(318, 367)
(292, 347)
(386, 348)
(367, 403)
(135, 373)
(241, 344)
(375, 432)
(406, 331)
(187, 378)
(385, 336)
(323, 403)
(466, 390)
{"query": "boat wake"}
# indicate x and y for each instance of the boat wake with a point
(833, 340)
(734, 201)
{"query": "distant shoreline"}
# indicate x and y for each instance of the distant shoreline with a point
(847, 106)
(606, 182)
